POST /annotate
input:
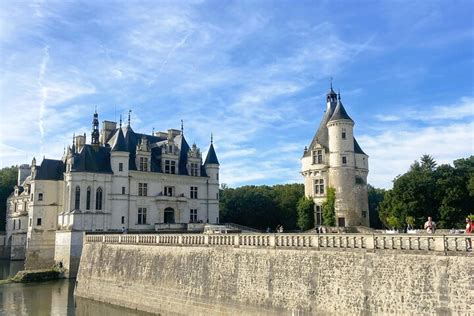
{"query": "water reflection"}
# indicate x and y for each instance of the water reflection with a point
(10, 268)
(50, 298)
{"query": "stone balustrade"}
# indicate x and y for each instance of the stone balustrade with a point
(367, 242)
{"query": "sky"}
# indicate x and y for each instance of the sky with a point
(253, 73)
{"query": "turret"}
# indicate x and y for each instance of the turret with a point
(119, 156)
(95, 130)
(211, 164)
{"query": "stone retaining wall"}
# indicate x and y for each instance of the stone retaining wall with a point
(204, 280)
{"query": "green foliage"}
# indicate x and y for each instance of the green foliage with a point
(393, 222)
(305, 209)
(261, 206)
(410, 220)
(8, 178)
(443, 192)
(375, 197)
(329, 211)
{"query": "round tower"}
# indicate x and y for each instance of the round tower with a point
(342, 166)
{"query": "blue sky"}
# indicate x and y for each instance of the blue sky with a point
(254, 73)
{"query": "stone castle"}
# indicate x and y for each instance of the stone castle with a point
(121, 181)
(334, 159)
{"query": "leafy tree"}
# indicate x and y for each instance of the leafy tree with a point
(375, 197)
(305, 210)
(329, 211)
(8, 178)
(393, 222)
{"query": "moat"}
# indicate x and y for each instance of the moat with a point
(49, 298)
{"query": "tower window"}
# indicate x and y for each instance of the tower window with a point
(344, 160)
(141, 215)
(123, 219)
(40, 196)
(123, 190)
(38, 222)
(318, 156)
(77, 199)
(143, 189)
(98, 199)
(120, 166)
(319, 186)
(343, 133)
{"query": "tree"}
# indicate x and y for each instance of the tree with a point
(375, 197)
(393, 222)
(329, 211)
(305, 209)
(8, 179)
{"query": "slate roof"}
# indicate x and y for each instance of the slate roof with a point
(50, 169)
(340, 113)
(357, 148)
(92, 158)
(119, 143)
(211, 157)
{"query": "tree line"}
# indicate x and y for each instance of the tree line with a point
(444, 192)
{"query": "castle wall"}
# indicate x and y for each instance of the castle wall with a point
(68, 251)
(267, 281)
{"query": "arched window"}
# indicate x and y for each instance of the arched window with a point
(98, 199)
(88, 198)
(77, 199)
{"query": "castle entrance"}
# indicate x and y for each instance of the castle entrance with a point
(169, 215)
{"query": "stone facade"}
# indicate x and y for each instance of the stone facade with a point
(122, 180)
(220, 280)
(334, 159)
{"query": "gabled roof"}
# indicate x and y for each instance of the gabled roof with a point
(340, 113)
(211, 157)
(50, 169)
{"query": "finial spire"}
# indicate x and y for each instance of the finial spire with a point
(182, 127)
(338, 95)
(153, 132)
(120, 121)
(73, 138)
(330, 80)
(129, 112)
(212, 138)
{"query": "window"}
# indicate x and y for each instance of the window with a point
(343, 133)
(120, 166)
(98, 199)
(169, 191)
(14, 207)
(31, 221)
(123, 190)
(194, 193)
(318, 214)
(19, 222)
(194, 169)
(319, 186)
(123, 219)
(38, 222)
(344, 160)
(141, 215)
(14, 224)
(143, 164)
(77, 199)
(88, 198)
(170, 166)
(317, 156)
(193, 215)
(364, 214)
(143, 189)
(217, 196)
(32, 195)
(40, 196)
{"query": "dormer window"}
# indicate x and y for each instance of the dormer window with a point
(317, 156)
(194, 169)
(170, 166)
(143, 164)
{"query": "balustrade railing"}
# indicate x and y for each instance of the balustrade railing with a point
(366, 242)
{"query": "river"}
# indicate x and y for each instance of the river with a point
(49, 298)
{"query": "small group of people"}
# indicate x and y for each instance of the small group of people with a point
(430, 227)
(278, 229)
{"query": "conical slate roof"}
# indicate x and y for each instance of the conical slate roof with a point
(211, 157)
(340, 113)
(119, 144)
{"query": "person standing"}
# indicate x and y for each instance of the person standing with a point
(430, 226)
(469, 229)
